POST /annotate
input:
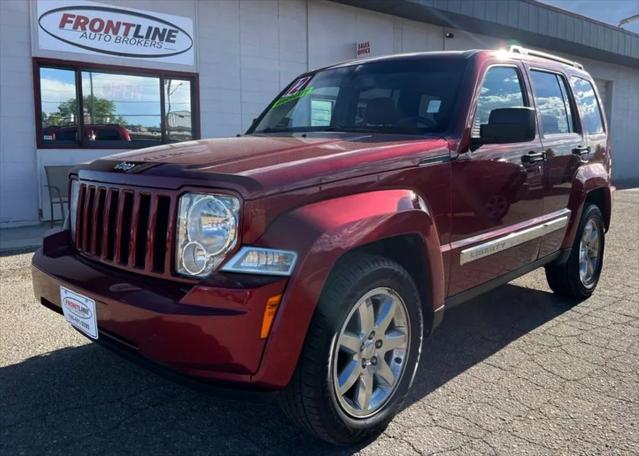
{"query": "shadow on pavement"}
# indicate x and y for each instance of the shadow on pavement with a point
(90, 401)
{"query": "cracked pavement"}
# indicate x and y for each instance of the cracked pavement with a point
(516, 371)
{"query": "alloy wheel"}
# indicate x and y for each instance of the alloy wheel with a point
(371, 352)
(589, 253)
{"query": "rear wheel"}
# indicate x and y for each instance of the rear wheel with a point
(361, 352)
(578, 276)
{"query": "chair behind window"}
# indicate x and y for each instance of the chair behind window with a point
(57, 179)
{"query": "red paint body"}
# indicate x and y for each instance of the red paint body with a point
(320, 195)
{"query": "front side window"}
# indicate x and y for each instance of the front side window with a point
(82, 107)
(500, 89)
(551, 97)
(405, 97)
(588, 106)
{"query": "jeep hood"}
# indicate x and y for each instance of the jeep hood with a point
(258, 165)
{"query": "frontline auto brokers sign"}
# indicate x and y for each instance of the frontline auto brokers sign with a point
(92, 28)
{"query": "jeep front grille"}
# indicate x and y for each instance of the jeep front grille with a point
(126, 227)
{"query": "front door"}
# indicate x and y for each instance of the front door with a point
(497, 191)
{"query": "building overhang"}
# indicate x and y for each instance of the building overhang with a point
(532, 23)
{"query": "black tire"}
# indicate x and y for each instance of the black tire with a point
(564, 279)
(310, 400)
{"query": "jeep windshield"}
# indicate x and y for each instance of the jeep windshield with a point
(408, 96)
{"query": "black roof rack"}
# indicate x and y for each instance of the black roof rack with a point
(525, 51)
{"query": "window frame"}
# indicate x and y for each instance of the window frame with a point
(576, 119)
(78, 68)
(526, 97)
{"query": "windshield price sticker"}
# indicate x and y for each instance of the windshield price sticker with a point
(297, 86)
(295, 92)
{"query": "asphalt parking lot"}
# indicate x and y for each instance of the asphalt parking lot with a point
(516, 371)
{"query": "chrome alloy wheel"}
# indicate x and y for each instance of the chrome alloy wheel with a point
(371, 352)
(589, 253)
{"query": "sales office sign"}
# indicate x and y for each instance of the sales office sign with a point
(93, 28)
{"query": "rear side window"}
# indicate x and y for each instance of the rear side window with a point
(551, 97)
(588, 105)
(501, 89)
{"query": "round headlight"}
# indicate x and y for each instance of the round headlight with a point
(207, 230)
(212, 224)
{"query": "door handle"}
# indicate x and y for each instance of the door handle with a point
(581, 150)
(533, 157)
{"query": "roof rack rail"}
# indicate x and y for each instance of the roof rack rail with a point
(525, 51)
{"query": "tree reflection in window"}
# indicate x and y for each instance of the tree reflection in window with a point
(119, 107)
(59, 108)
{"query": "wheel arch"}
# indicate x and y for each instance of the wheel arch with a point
(590, 185)
(395, 222)
(409, 251)
(602, 198)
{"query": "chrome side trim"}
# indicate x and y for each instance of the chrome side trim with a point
(512, 240)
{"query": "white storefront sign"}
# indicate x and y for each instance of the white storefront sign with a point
(93, 28)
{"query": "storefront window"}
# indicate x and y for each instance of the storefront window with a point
(58, 104)
(177, 99)
(119, 107)
(110, 108)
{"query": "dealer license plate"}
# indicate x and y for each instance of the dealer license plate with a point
(79, 311)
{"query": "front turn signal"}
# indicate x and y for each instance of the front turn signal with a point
(270, 310)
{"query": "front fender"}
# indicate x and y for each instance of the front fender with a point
(321, 233)
(589, 177)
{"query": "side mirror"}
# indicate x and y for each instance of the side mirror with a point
(508, 125)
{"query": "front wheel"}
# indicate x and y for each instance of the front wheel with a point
(578, 277)
(361, 352)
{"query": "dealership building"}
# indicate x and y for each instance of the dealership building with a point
(82, 79)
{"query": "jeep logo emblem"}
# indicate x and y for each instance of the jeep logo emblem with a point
(124, 166)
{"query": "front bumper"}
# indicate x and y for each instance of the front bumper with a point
(206, 330)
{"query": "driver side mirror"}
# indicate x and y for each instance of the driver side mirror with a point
(507, 125)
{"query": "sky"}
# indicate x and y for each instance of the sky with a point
(609, 11)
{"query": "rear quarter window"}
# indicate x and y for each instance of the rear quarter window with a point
(588, 106)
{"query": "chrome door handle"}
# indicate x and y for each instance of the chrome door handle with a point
(581, 150)
(533, 157)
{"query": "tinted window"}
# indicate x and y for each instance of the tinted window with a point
(551, 97)
(589, 109)
(501, 89)
(59, 108)
(403, 96)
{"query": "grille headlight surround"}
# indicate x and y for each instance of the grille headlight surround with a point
(206, 231)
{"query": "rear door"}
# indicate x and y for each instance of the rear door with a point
(496, 191)
(565, 148)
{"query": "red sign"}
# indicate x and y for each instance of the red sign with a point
(363, 49)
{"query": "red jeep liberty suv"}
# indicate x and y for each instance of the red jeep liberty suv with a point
(313, 254)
